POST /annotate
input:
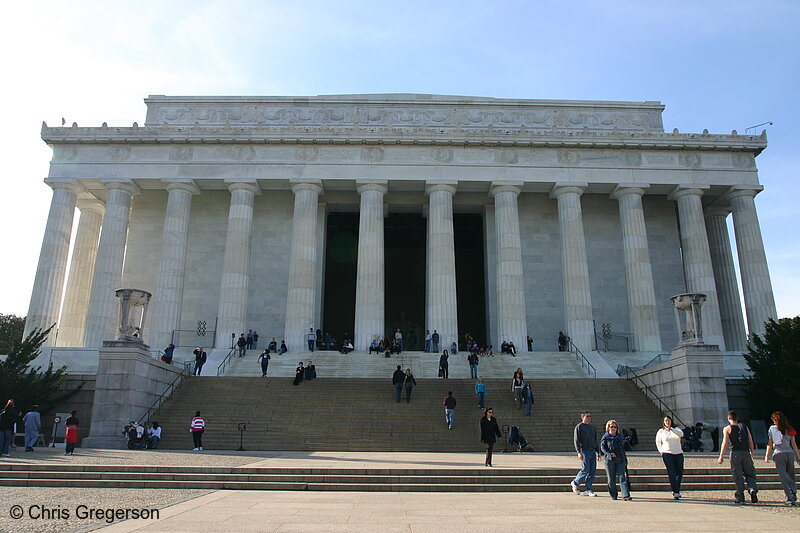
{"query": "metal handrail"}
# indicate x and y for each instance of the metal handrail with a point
(655, 398)
(582, 359)
(655, 360)
(166, 395)
(225, 362)
(606, 338)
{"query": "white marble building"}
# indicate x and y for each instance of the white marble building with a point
(591, 214)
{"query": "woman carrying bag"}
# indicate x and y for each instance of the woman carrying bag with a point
(612, 446)
(489, 432)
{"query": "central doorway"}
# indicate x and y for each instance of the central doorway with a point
(405, 255)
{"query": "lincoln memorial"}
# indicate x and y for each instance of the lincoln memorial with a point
(365, 214)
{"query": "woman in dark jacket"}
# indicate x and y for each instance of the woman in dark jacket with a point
(443, 365)
(489, 432)
(612, 446)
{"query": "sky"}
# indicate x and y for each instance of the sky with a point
(716, 65)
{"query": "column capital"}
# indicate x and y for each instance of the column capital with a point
(717, 211)
(121, 185)
(687, 190)
(565, 188)
(250, 186)
(380, 186)
(437, 186)
(623, 189)
(58, 183)
(181, 184)
(306, 184)
(500, 187)
(738, 191)
(91, 205)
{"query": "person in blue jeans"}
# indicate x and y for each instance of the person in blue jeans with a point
(480, 391)
(585, 439)
(398, 380)
(612, 447)
(449, 404)
(473, 361)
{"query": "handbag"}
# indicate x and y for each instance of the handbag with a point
(440, 372)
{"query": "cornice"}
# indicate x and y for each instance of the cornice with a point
(402, 135)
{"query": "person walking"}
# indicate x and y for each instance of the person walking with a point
(398, 379)
(443, 364)
(8, 417)
(264, 360)
(742, 468)
(197, 428)
(517, 384)
(782, 443)
(409, 383)
(585, 440)
(612, 447)
(312, 339)
(33, 424)
(480, 391)
(562, 342)
(527, 397)
(473, 361)
(668, 442)
(489, 433)
(71, 433)
(449, 404)
(169, 351)
(242, 344)
(200, 358)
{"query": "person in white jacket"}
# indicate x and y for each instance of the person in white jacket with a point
(668, 442)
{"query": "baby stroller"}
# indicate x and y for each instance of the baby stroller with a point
(135, 438)
(691, 436)
(516, 438)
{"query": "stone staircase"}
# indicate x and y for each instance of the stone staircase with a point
(352, 479)
(536, 365)
(362, 415)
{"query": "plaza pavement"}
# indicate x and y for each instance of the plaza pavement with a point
(387, 512)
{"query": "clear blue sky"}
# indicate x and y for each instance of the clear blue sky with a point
(716, 65)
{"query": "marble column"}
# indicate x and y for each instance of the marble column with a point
(103, 306)
(165, 307)
(232, 312)
(730, 306)
(574, 266)
(81, 269)
(512, 323)
(48, 284)
(301, 296)
(369, 322)
(759, 301)
(697, 264)
(441, 303)
(638, 271)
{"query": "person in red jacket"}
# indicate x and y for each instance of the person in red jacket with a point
(71, 436)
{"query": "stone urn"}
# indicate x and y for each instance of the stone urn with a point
(132, 312)
(690, 329)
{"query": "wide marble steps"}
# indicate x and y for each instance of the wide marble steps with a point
(362, 414)
(536, 365)
(352, 479)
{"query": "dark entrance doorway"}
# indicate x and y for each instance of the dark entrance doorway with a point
(341, 262)
(470, 277)
(405, 252)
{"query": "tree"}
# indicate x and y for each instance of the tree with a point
(775, 363)
(11, 329)
(29, 386)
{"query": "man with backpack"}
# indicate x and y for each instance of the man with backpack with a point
(742, 467)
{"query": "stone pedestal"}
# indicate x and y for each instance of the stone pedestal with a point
(129, 380)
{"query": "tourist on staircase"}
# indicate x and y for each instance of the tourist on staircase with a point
(489, 432)
(399, 338)
(311, 371)
(409, 383)
(742, 468)
(242, 344)
(197, 428)
(449, 404)
(299, 374)
(200, 358)
(272, 346)
(427, 341)
(255, 340)
(398, 378)
(585, 440)
(249, 339)
(517, 384)
(435, 342)
(312, 339)
(264, 360)
(616, 462)
(668, 443)
(473, 361)
(480, 391)
(443, 364)
(283, 349)
(527, 397)
(562, 341)
(530, 344)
